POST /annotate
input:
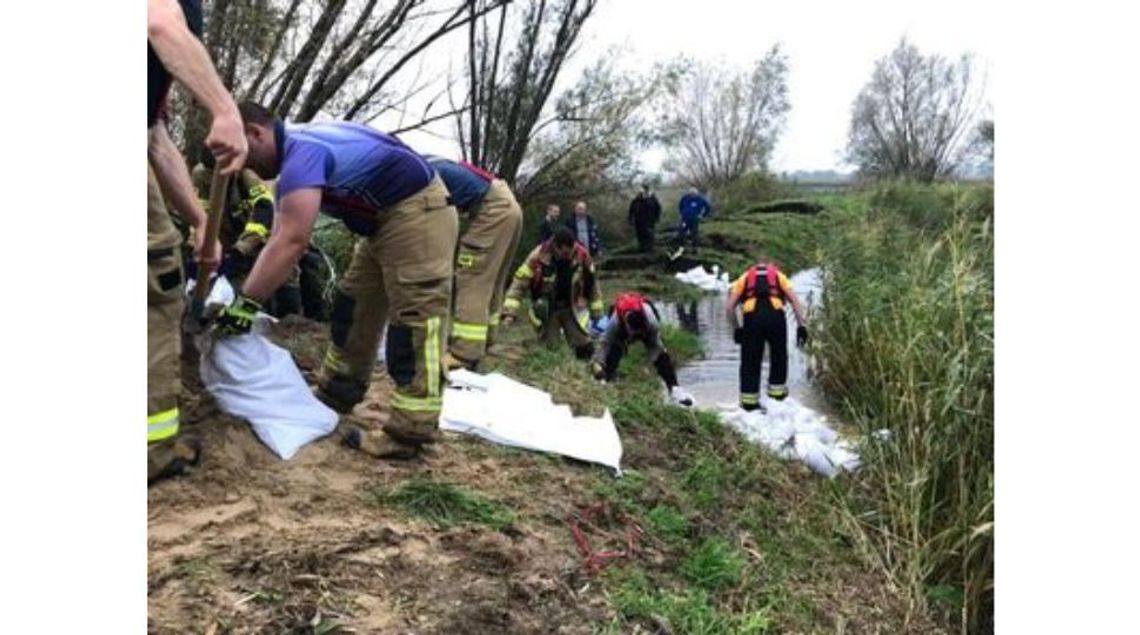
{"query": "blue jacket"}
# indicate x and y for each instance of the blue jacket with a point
(694, 207)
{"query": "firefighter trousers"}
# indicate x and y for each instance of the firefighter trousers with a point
(164, 304)
(481, 271)
(401, 275)
(565, 322)
(763, 326)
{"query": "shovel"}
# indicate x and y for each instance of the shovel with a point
(213, 222)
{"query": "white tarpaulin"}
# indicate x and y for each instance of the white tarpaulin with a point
(256, 380)
(715, 281)
(501, 410)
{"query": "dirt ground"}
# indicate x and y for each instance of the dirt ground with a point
(248, 543)
(252, 544)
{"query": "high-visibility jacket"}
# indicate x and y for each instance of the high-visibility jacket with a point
(535, 278)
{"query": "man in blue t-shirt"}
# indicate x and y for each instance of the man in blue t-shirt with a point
(485, 252)
(400, 271)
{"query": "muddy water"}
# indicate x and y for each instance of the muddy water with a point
(715, 378)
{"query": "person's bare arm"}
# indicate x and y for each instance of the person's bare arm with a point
(730, 302)
(292, 229)
(174, 180)
(174, 177)
(186, 59)
(797, 307)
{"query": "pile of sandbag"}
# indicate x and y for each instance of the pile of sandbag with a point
(716, 280)
(794, 431)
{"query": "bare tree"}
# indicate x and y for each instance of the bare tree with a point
(721, 124)
(984, 139)
(338, 57)
(592, 136)
(914, 117)
(508, 89)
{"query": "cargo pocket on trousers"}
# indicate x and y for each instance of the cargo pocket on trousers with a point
(164, 276)
(424, 290)
(472, 253)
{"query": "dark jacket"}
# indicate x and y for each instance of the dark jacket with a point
(644, 209)
(595, 244)
(547, 229)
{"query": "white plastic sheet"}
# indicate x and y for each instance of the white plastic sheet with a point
(714, 281)
(503, 411)
(256, 380)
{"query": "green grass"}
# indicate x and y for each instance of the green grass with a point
(906, 340)
(668, 524)
(445, 504)
(713, 565)
(691, 611)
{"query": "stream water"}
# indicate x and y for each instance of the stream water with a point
(714, 379)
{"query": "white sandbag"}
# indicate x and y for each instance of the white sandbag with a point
(793, 431)
(814, 454)
(256, 380)
(503, 411)
(703, 279)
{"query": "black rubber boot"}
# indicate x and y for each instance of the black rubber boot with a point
(172, 457)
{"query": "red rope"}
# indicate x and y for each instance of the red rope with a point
(595, 561)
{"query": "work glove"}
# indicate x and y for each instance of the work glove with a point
(738, 335)
(597, 326)
(681, 397)
(801, 336)
(237, 318)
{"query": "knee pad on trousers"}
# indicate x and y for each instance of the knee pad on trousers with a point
(340, 322)
(585, 351)
(400, 354)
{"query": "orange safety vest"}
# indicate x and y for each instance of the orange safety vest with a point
(771, 281)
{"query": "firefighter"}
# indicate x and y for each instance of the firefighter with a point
(762, 292)
(175, 53)
(559, 278)
(483, 261)
(400, 272)
(634, 318)
(247, 220)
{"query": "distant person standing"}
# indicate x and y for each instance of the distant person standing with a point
(694, 208)
(550, 223)
(644, 212)
(585, 229)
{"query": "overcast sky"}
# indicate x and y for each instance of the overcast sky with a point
(831, 46)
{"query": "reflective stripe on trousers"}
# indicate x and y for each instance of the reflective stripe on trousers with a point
(468, 331)
(162, 425)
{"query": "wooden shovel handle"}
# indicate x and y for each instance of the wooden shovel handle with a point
(213, 222)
